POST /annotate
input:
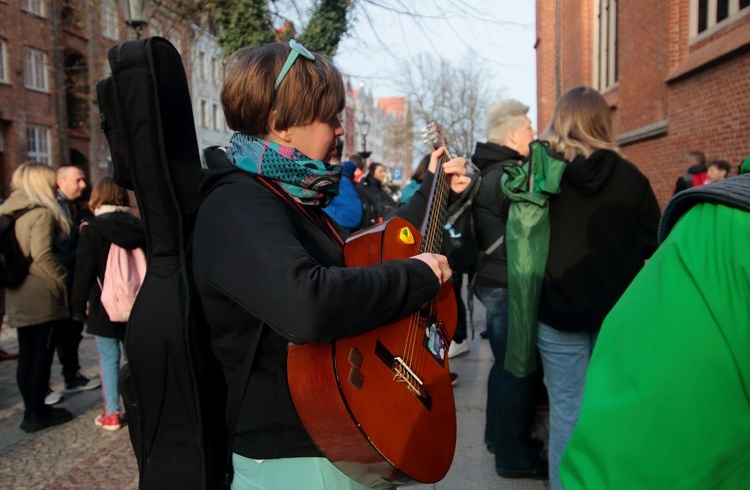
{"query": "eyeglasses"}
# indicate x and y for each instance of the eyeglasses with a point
(297, 49)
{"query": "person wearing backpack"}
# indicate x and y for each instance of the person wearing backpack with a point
(510, 410)
(38, 305)
(113, 223)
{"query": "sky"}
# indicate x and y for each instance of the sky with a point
(501, 33)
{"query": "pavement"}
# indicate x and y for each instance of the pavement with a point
(78, 455)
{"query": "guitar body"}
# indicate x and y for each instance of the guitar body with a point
(380, 405)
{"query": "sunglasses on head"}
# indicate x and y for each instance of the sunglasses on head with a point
(297, 50)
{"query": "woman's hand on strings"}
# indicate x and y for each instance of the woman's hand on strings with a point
(456, 168)
(438, 263)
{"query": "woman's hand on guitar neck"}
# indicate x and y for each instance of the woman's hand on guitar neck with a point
(438, 263)
(456, 168)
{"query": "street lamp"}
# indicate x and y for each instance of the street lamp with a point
(133, 10)
(364, 128)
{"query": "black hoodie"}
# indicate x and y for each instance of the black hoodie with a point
(603, 226)
(489, 214)
(96, 235)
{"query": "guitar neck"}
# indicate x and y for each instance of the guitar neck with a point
(432, 226)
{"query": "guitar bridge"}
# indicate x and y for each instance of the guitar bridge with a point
(402, 373)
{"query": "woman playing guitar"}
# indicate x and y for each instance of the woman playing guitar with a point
(265, 254)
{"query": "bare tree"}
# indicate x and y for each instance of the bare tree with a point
(453, 95)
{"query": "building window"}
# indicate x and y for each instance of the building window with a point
(35, 69)
(3, 62)
(605, 61)
(204, 114)
(216, 70)
(33, 6)
(216, 117)
(38, 138)
(704, 14)
(109, 20)
(202, 65)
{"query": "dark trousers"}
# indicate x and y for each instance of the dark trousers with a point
(510, 410)
(67, 338)
(457, 281)
(34, 363)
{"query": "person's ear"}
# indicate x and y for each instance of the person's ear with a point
(512, 139)
(278, 132)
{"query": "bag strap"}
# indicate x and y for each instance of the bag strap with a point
(236, 402)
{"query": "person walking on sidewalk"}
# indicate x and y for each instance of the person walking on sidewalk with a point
(38, 305)
(113, 222)
(71, 182)
(510, 410)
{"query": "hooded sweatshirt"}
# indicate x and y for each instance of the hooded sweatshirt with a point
(115, 225)
(489, 213)
(603, 226)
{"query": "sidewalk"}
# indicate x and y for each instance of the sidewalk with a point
(78, 455)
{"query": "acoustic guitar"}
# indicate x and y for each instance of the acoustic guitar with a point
(380, 405)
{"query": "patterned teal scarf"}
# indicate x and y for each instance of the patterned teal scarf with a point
(308, 181)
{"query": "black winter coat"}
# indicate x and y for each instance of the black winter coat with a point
(94, 240)
(256, 258)
(603, 226)
(490, 213)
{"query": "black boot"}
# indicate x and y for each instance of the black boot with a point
(50, 416)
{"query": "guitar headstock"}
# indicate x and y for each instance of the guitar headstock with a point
(434, 136)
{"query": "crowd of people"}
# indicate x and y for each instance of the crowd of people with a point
(268, 262)
(65, 239)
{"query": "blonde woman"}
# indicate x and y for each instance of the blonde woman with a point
(38, 304)
(602, 229)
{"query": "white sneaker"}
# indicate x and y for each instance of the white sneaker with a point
(52, 398)
(458, 348)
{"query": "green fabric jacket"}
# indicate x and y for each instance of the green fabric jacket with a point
(666, 401)
(41, 297)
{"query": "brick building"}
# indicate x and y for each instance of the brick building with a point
(676, 74)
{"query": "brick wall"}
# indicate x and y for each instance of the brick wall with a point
(707, 108)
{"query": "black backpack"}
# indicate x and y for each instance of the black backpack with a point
(172, 384)
(14, 265)
(369, 209)
(459, 240)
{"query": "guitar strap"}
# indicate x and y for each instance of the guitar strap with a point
(236, 401)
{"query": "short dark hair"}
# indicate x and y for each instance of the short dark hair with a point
(311, 90)
(720, 164)
(421, 170)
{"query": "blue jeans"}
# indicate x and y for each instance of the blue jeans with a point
(566, 357)
(109, 362)
(510, 410)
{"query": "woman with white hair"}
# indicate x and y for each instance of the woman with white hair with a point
(38, 304)
(510, 410)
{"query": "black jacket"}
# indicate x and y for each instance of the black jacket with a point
(489, 213)
(96, 236)
(256, 258)
(384, 205)
(603, 226)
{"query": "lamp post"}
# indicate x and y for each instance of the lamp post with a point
(133, 10)
(364, 128)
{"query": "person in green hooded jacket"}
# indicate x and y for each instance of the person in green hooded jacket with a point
(666, 401)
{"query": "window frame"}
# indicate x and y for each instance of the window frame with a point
(109, 26)
(35, 65)
(40, 134)
(4, 78)
(712, 24)
(606, 47)
(36, 7)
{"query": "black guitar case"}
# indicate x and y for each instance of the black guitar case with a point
(172, 385)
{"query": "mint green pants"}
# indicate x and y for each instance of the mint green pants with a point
(289, 473)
